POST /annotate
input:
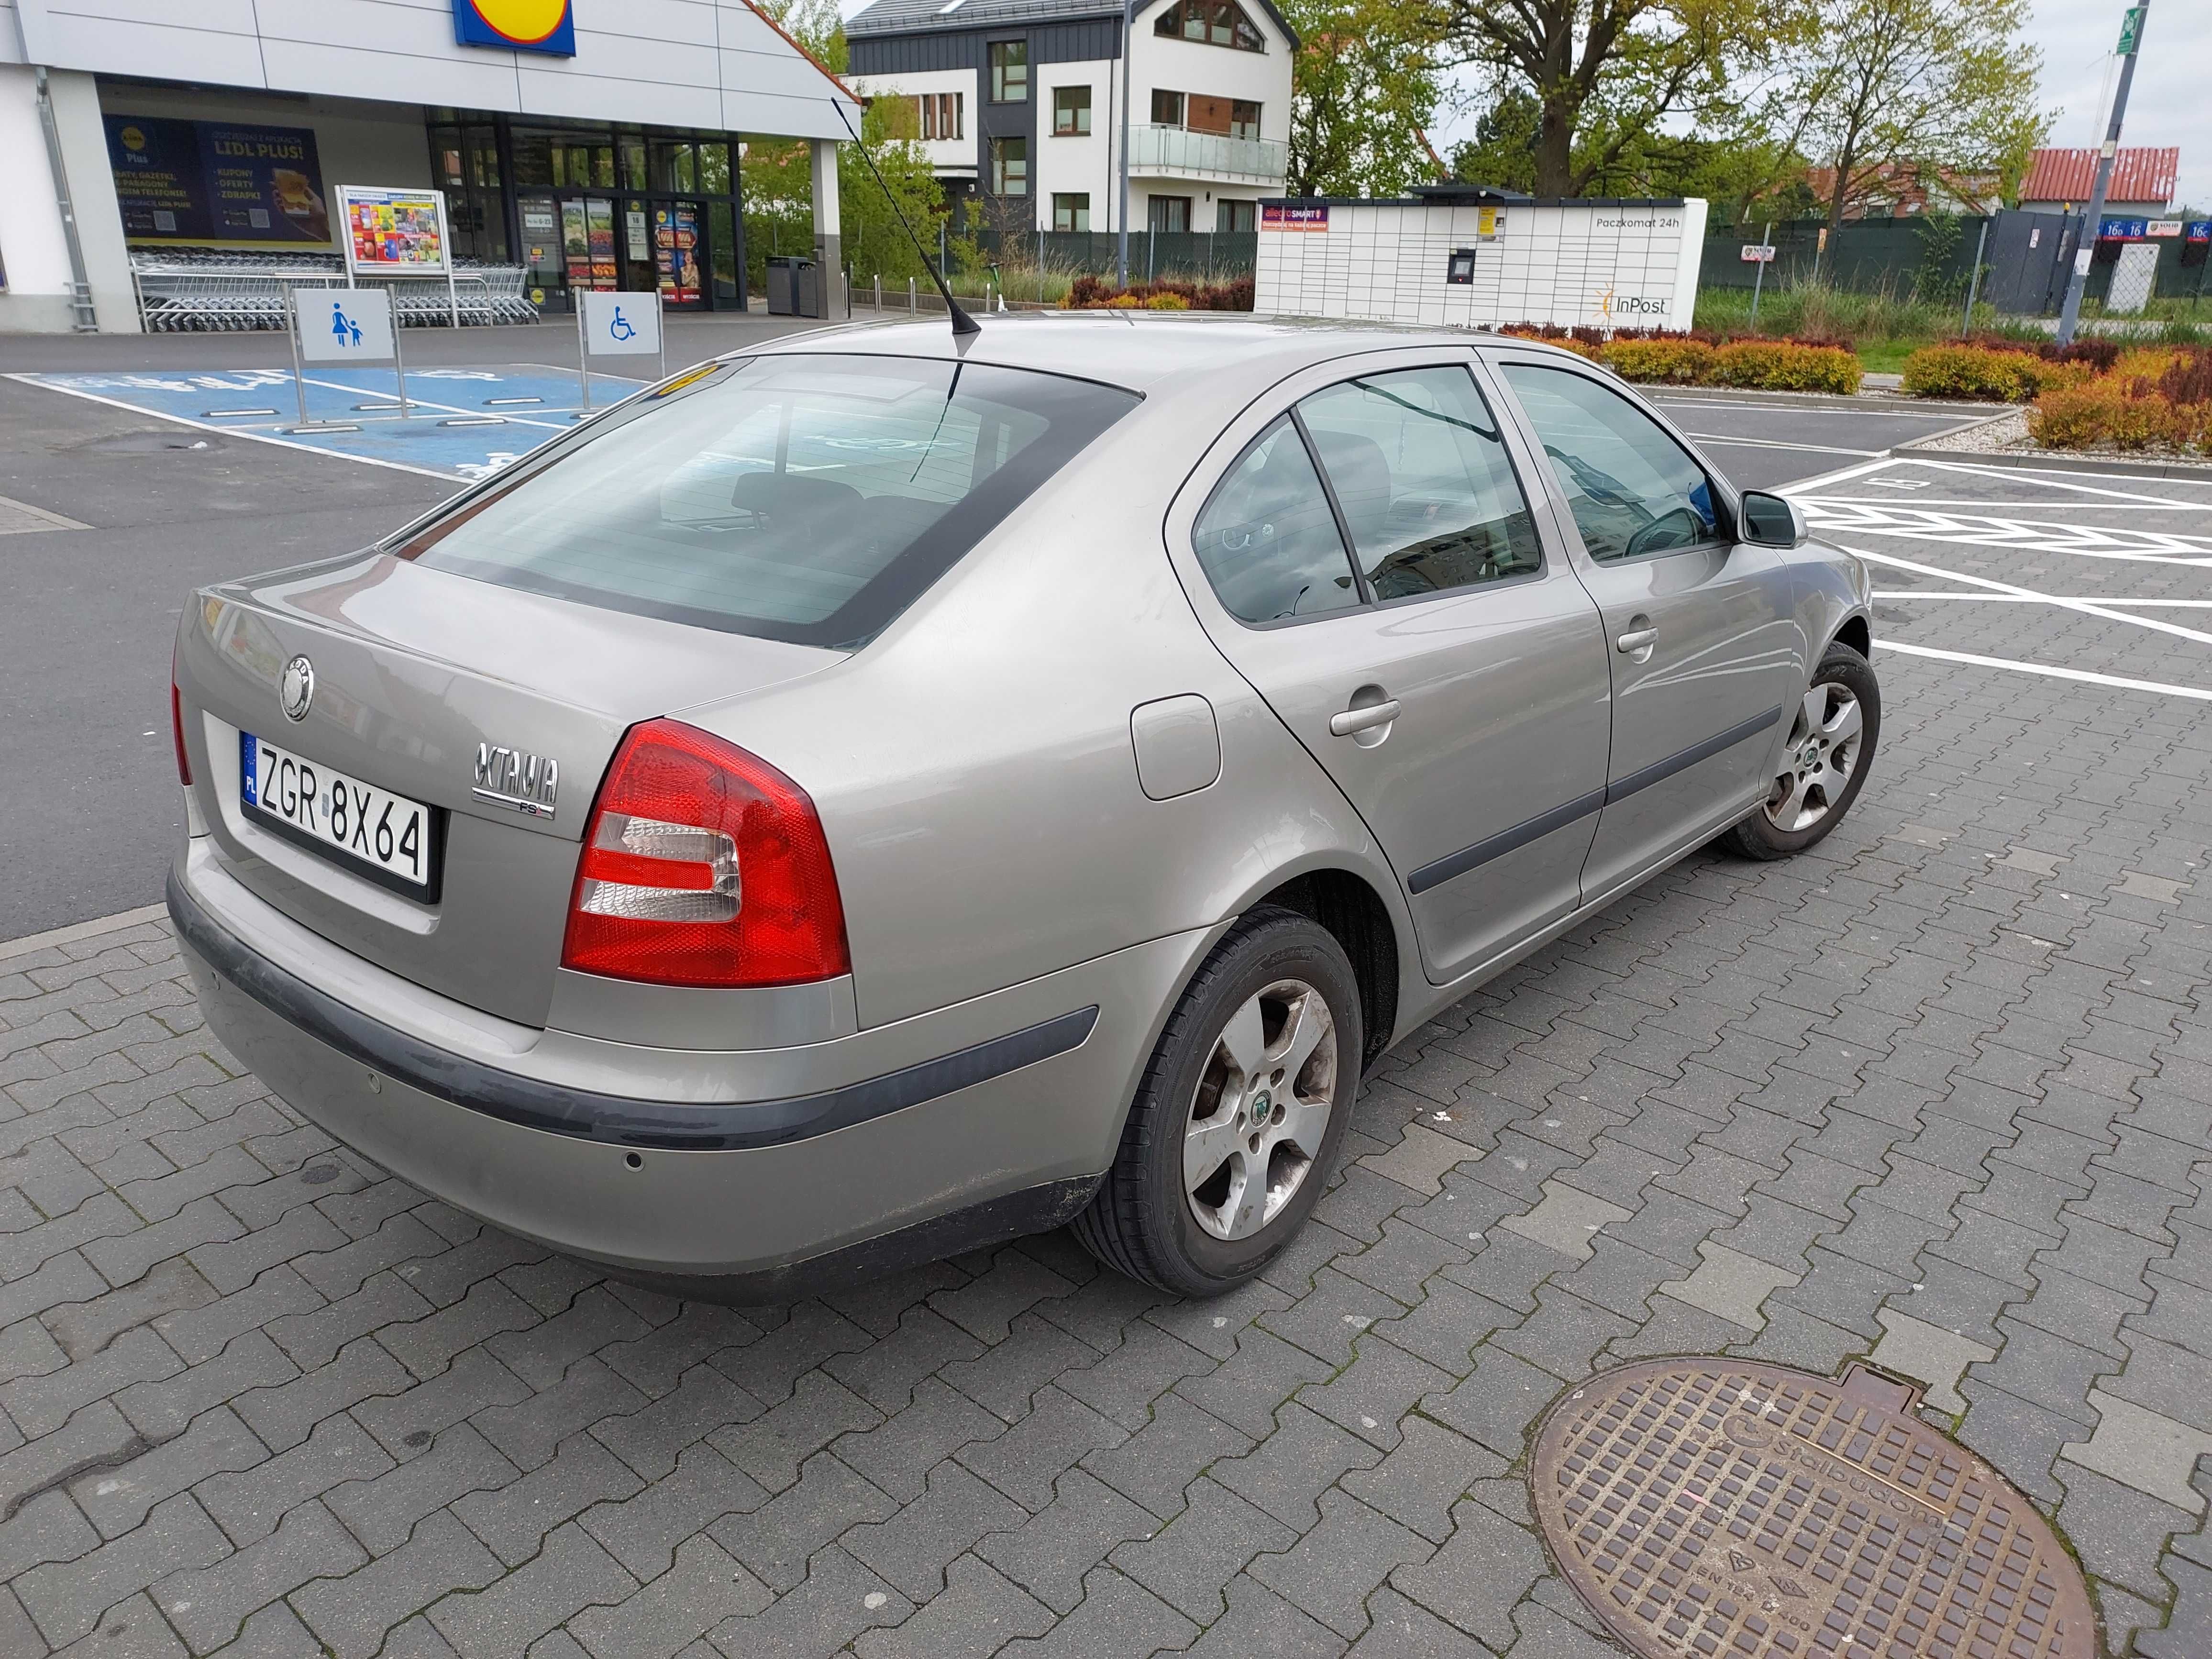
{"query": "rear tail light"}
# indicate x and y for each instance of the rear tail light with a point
(177, 727)
(703, 865)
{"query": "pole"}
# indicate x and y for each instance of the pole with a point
(1759, 276)
(1974, 280)
(1121, 245)
(660, 324)
(2131, 32)
(398, 363)
(583, 355)
(292, 333)
(81, 302)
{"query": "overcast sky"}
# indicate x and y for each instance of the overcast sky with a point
(2167, 104)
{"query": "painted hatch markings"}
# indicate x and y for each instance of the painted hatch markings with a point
(534, 402)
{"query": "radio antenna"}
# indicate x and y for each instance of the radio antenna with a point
(962, 322)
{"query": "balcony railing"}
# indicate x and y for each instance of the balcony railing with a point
(1176, 149)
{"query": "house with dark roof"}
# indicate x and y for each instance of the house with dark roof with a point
(1021, 105)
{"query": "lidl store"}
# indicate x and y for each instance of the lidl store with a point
(575, 144)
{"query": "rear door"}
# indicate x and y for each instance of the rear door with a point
(1362, 550)
(1703, 652)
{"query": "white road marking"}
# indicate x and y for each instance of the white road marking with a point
(2088, 607)
(2079, 674)
(1776, 443)
(2039, 598)
(2053, 480)
(1797, 487)
(1917, 521)
(2041, 506)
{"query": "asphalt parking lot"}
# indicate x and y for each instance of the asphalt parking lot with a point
(1939, 1091)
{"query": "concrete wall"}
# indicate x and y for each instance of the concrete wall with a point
(32, 245)
(1600, 265)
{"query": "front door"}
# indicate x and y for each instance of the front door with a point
(1706, 655)
(1449, 675)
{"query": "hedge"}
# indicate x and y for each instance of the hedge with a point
(1089, 293)
(1676, 362)
(1761, 364)
(1994, 374)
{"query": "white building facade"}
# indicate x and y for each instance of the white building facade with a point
(1019, 104)
(594, 141)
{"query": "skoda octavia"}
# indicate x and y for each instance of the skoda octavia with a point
(887, 792)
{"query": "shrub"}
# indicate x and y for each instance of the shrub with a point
(1089, 293)
(1986, 373)
(2106, 411)
(2187, 381)
(1552, 334)
(1167, 301)
(1677, 361)
(1783, 366)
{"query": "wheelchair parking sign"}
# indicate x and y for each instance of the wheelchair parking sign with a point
(621, 325)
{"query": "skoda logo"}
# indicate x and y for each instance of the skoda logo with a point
(296, 690)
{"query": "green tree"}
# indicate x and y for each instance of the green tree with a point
(1363, 86)
(1945, 86)
(1608, 78)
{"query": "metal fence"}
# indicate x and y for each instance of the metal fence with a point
(2024, 261)
(1203, 255)
(186, 292)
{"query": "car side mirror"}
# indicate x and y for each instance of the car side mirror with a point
(1771, 520)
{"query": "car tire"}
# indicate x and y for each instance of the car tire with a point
(1824, 765)
(1232, 1074)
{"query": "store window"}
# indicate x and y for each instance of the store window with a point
(1071, 112)
(1010, 167)
(1010, 71)
(1070, 211)
(672, 165)
(1167, 108)
(1210, 22)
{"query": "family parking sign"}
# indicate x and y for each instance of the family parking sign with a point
(344, 325)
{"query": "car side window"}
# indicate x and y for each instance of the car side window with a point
(1266, 539)
(1632, 488)
(1421, 473)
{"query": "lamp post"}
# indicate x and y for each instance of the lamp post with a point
(2070, 314)
(1121, 217)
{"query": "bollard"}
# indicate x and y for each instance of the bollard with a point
(879, 294)
(912, 309)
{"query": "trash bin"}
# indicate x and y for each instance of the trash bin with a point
(792, 289)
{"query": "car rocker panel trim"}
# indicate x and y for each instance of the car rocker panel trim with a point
(590, 1114)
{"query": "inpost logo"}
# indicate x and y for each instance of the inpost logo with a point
(547, 26)
(1614, 305)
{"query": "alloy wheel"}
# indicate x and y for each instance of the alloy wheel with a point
(1819, 760)
(1261, 1110)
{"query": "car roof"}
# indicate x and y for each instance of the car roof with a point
(1145, 351)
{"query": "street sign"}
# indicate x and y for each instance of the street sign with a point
(344, 325)
(1757, 253)
(621, 325)
(2131, 30)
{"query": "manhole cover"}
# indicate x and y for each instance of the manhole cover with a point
(1721, 1509)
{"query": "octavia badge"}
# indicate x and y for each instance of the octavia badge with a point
(296, 690)
(517, 779)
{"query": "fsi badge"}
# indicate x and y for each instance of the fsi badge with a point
(546, 26)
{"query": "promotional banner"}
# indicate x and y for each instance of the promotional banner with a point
(397, 232)
(1275, 215)
(217, 183)
(621, 325)
(344, 325)
(676, 250)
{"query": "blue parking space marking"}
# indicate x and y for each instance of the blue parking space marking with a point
(465, 424)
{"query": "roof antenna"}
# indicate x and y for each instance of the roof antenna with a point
(962, 322)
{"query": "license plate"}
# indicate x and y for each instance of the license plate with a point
(386, 837)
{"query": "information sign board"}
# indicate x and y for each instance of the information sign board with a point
(1757, 253)
(217, 183)
(395, 233)
(344, 325)
(619, 324)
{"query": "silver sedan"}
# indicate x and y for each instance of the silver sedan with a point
(886, 793)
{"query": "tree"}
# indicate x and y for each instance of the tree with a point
(1363, 86)
(1942, 85)
(1606, 76)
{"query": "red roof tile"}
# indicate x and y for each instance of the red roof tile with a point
(2070, 175)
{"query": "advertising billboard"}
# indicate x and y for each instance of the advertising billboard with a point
(217, 183)
(394, 232)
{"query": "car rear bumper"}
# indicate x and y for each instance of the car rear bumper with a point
(912, 1141)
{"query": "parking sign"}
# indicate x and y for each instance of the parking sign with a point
(344, 325)
(621, 325)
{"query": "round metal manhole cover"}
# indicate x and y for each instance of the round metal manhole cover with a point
(1723, 1510)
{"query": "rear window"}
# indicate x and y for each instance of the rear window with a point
(802, 498)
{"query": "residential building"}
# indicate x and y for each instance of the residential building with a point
(2062, 180)
(594, 143)
(1905, 189)
(1019, 103)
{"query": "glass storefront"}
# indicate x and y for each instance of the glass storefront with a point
(595, 206)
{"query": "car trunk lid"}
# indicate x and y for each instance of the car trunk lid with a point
(497, 708)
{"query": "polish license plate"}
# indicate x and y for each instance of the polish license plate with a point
(389, 838)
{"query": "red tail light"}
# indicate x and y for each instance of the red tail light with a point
(177, 727)
(703, 865)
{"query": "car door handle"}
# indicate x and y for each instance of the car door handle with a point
(1636, 640)
(1365, 718)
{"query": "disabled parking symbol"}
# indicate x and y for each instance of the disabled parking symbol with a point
(619, 329)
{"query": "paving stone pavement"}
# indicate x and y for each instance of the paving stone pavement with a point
(1939, 1090)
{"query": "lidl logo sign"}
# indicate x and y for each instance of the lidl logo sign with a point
(547, 26)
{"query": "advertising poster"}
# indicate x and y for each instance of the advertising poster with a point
(575, 245)
(217, 183)
(1279, 215)
(599, 223)
(676, 248)
(394, 232)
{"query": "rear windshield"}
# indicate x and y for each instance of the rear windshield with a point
(802, 498)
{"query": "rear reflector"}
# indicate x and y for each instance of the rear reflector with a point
(703, 865)
(177, 728)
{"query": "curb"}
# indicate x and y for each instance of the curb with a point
(1863, 403)
(2108, 466)
(115, 924)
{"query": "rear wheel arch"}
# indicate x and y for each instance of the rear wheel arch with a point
(1348, 906)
